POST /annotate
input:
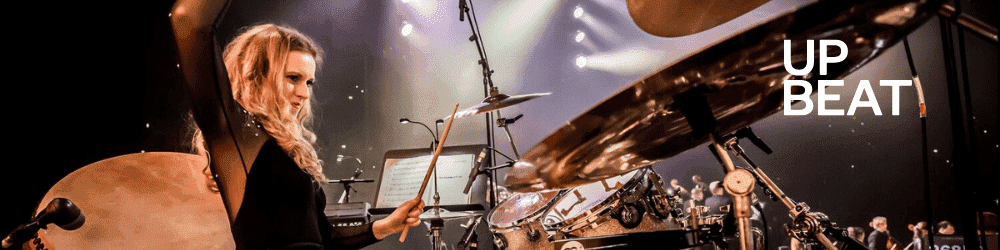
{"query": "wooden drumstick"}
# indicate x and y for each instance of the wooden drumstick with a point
(430, 170)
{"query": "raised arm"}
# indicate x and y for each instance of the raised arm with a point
(232, 145)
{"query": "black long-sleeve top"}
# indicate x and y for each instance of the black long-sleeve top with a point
(877, 240)
(283, 209)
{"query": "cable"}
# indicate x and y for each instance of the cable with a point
(505, 156)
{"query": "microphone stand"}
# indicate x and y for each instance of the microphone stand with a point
(489, 90)
(346, 197)
(503, 122)
(492, 94)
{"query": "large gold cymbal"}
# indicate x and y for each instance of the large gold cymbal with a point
(726, 86)
(685, 17)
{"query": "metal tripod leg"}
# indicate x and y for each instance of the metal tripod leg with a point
(739, 183)
(809, 224)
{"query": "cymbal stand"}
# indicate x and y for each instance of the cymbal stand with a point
(435, 226)
(739, 184)
(807, 226)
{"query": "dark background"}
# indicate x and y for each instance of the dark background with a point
(90, 77)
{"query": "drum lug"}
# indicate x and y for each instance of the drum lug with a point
(629, 215)
(500, 240)
(534, 235)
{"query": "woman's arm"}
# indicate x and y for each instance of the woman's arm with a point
(232, 147)
(406, 215)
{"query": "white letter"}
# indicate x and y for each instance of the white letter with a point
(803, 97)
(895, 91)
(809, 59)
(822, 97)
(864, 87)
(824, 46)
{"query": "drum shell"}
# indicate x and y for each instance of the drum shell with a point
(644, 186)
(529, 235)
(606, 225)
(525, 232)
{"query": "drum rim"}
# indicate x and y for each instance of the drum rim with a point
(534, 215)
(602, 208)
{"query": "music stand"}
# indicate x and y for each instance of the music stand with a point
(403, 170)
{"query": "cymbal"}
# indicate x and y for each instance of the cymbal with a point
(447, 215)
(496, 102)
(681, 18)
(737, 81)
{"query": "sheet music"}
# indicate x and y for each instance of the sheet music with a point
(402, 178)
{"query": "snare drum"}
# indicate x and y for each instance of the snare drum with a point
(515, 222)
(632, 202)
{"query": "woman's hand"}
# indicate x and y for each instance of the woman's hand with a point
(406, 215)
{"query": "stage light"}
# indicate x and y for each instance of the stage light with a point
(581, 61)
(578, 12)
(630, 61)
(407, 29)
(579, 36)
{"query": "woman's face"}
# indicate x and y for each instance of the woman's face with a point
(300, 73)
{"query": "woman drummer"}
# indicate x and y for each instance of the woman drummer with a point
(272, 69)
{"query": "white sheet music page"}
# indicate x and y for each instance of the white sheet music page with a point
(402, 178)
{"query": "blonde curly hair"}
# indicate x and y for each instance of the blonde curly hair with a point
(255, 61)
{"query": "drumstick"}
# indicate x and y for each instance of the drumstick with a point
(427, 177)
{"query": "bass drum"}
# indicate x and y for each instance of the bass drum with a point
(142, 201)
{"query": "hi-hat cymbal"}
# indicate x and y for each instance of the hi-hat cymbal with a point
(734, 82)
(447, 215)
(681, 18)
(496, 102)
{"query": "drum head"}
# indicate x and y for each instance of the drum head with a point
(142, 201)
(586, 197)
(520, 206)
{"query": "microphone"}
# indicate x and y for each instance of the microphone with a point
(461, 10)
(748, 133)
(512, 120)
(475, 169)
(63, 213)
(469, 233)
(357, 173)
(59, 211)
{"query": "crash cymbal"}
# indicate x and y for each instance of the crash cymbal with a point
(730, 84)
(497, 101)
(681, 18)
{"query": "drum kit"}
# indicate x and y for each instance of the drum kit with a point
(590, 184)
